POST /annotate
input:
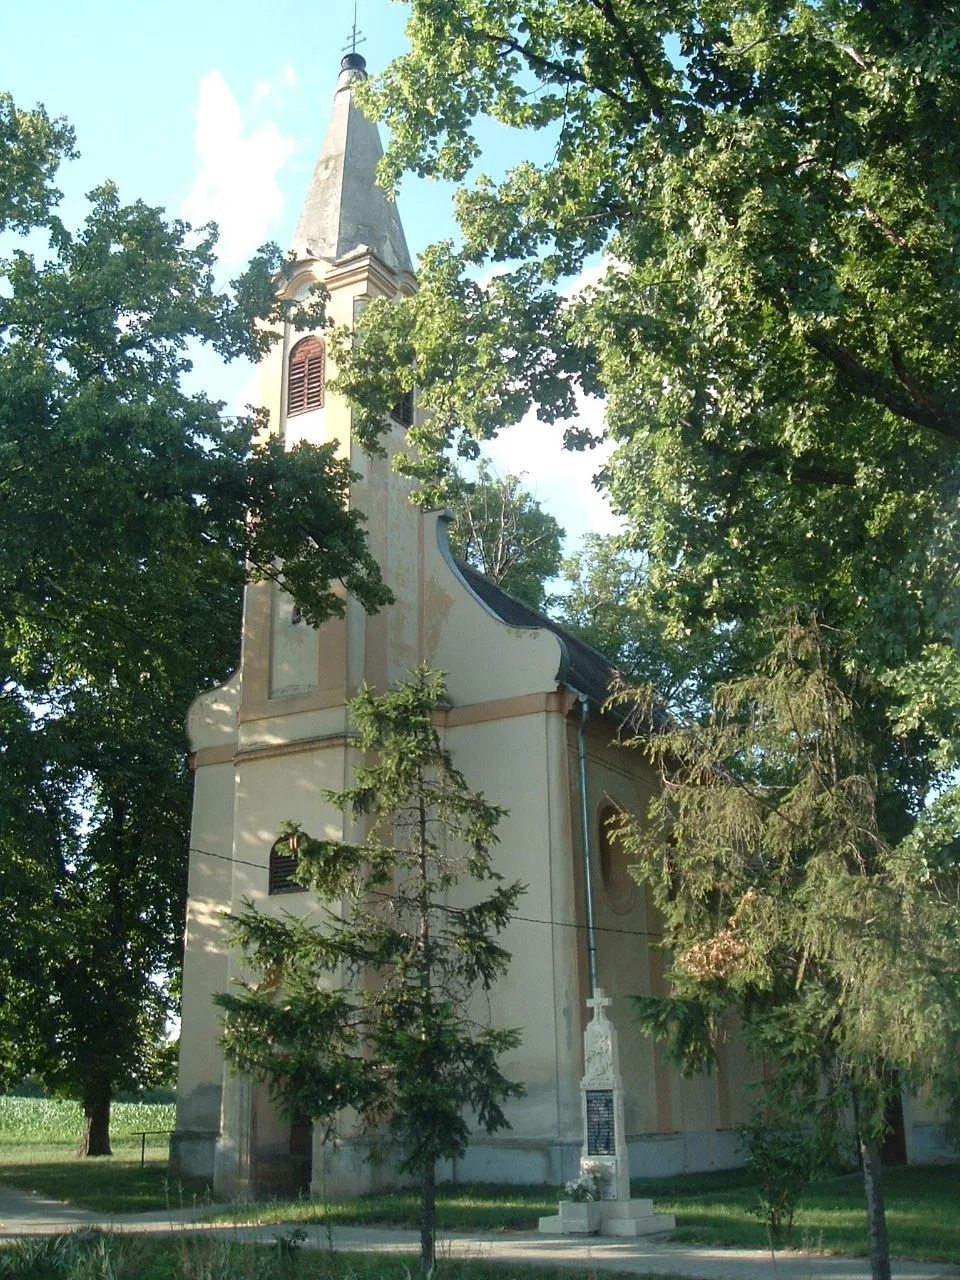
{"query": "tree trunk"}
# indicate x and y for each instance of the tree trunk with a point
(96, 1123)
(428, 1178)
(876, 1212)
(428, 1219)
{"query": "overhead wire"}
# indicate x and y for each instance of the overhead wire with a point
(559, 924)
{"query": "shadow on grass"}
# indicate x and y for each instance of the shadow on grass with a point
(465, 1207)
(922, 1216)
(111, 1184)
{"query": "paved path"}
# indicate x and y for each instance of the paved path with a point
(24, 1214)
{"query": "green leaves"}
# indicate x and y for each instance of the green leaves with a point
(478, 356)
(31, 149)
(301, 534)
(781, 897)
(129, 508)
(501, 530)
(775, 332)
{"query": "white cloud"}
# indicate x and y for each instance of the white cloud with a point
(496, 269)
(560, 479)
(290, 77)
(236, 183)
(588, 277)
(261, 91)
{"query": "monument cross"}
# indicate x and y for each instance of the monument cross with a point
(598, 1002)
(605, 1153)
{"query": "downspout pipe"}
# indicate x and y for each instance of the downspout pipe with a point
(587, 843)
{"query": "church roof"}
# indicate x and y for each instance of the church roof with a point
(583, 669)
(345, 210)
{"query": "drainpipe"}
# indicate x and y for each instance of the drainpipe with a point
(585, 819)
(284, 380)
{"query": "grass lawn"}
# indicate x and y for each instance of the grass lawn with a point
(711, 1208)
(193, 1258)
(486, 1207)
(108, 1184)
(923, 1217)
(38, 1144)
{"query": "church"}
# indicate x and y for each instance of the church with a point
(524, 723)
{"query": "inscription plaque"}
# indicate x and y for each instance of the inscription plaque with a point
(600, 1135)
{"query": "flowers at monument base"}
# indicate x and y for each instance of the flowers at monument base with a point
(590, 1184)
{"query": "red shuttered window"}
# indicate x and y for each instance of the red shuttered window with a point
(305, 376)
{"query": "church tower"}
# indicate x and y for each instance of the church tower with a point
(350, 240)
(273, 737)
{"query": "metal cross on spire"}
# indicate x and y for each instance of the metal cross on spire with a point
(356, 37)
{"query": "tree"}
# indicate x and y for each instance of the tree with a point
(129, 508)
(502, 530)
(608, 605)
(775, 335)
(783, 900)
(399, 1042)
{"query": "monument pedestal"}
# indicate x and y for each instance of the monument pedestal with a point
(605, 1154)
(632, 1218)
(607, 1218)
(576, 1218)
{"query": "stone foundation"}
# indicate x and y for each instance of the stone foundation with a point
(192, 1153)
(347, 1171)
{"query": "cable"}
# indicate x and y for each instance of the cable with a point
(559, 924)
(226, 857)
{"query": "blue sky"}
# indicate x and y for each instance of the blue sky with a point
(217, 110)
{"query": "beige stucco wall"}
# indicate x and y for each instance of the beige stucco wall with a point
(673, 1123)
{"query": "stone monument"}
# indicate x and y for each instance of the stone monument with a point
(605, 1161)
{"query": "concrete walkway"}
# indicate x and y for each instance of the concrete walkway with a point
(25, 1214)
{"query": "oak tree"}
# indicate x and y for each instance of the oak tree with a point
(129, 507)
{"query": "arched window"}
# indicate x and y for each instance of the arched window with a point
(621, 888)
(283, 865)
(305, 376)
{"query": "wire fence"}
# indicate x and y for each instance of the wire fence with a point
(142, 1145)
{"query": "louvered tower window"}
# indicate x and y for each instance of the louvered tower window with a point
(402, 411)
(283, 866)
(305, 378)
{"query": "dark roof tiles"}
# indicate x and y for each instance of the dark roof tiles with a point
(582, 668)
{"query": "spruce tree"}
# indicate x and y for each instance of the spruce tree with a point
(369, 1005)
(784, 901)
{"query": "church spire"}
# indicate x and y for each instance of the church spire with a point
(345, 210)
